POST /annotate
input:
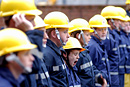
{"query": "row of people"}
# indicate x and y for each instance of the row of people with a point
(94, 55)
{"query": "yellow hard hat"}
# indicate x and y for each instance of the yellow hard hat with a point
(111, 12)
(56, 19)
(98, 21)
(73, 43)
(127, 2)
(79, 24)
(11, 7)
(123, 14)
(13, 40)
(39, 23)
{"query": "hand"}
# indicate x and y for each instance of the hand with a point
(104, 82)
(22, 23)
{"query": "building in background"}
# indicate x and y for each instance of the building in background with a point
(81, 2)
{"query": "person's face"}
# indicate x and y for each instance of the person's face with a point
(117, 23)
(26, 58)
(127, 27)
(64, 34)
(87, 36)
(73, 57)
(45, 36)
(102, 32)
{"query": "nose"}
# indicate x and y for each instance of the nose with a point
(31, 57)
(89, 36)
(104, 30)
(77, 56)
(45, 35)
(68, 35)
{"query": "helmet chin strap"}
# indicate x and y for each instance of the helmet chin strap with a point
(99, 36)
(107, 34)
(13, 57)
(114, 24)
(81, 33)
(96, 33)
(58, 36)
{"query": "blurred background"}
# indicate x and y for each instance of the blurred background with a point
(80, 2)
(75, 8)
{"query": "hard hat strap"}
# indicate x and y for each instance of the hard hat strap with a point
(107, 34)
(96, 33)
(121, 27)
(82, 33)
(114, 24)
(13, 57)
(58, 36)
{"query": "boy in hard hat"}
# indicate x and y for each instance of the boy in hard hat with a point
(111, 44)
(20, 14)
(15, 57)
(57, 31)
(124, 34)
(126, 37)
(87, 72)
(114, 16)
(39, 37)
(97, 48)
(16, 12)
(72, 49)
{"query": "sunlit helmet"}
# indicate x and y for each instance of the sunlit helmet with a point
(13, 40)
(111, 12)
(127, 2)
(73, 43)
(39, 23)
(79, 24)
(56, 19)
(11, 7)
(123, 14)
(98, 21)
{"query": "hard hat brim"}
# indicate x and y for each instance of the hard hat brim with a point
(81, 49)
(89, 29)
(16, 49)
(31, 12)
(100, 26)
(36, 27)
(57, 26)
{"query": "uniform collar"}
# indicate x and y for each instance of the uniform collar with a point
(97, 40)
(5, 73)
(35, 32)
(110, 31)
(53, 46)
(117, 31)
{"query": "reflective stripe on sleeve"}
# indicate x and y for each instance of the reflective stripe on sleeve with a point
(121, 66)
(42, 75)
(122, 45)
(114, 49)
(57, 68)
(75, 86)
(114, 73)
(86, 65)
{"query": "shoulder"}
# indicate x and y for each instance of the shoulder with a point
(4, 82)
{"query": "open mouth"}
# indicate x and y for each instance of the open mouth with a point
(75, 62)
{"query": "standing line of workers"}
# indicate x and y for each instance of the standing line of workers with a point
(53, 52)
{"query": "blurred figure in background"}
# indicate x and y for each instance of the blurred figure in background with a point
(15, 57)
